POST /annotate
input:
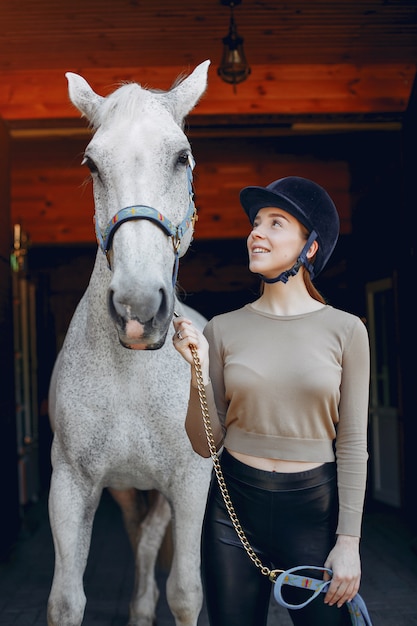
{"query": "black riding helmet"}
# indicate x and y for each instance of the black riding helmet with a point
(310, 204)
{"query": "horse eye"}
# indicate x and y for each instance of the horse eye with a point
(90, 164)
(183, 158)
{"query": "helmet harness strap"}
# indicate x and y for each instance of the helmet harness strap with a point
(302, 260)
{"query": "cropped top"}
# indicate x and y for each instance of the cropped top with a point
(294, 388)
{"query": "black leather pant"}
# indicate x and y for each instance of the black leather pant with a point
(289, 519)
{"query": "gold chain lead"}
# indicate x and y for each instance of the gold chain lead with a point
(272, 574)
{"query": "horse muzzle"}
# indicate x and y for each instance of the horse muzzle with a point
(135, 334)
(142, 343)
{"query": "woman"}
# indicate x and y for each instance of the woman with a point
(287, 380)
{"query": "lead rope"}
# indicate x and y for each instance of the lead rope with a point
(271, 574)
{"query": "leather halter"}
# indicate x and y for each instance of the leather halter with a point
(140, 211)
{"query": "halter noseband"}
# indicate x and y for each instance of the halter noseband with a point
(136, 212)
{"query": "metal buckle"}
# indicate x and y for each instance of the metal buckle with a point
(176, 242)
(274, 573)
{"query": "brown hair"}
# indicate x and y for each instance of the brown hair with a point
(314, 293)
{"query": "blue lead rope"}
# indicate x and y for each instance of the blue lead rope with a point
(357, 608)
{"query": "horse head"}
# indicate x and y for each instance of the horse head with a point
(141, 165)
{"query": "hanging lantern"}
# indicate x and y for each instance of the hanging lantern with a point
(233, 67)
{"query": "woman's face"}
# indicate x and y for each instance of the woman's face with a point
(275, 242)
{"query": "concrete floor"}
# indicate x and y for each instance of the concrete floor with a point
(389, 582)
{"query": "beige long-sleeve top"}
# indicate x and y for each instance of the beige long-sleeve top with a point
(294, 388)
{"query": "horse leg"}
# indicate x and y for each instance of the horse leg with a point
(71, 511)
(152, 532)
(133, 507)
(184, 588)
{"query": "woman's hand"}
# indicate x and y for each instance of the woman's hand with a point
(344, 561)
(187, 334)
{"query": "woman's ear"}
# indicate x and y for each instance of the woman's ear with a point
(313, 249)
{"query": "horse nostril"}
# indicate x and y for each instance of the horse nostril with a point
(117, 311)
(114, 315)
(162, 311)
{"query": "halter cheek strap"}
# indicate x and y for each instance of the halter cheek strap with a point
(302, 260)
(140, 211)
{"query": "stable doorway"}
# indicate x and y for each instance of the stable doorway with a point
(385, 460)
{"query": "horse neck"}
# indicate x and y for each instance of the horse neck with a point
(99, 282)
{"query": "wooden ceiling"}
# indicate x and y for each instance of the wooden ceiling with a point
(340, 62)
(317, 66)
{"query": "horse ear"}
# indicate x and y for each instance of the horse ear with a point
(82, 96)
(184, 96)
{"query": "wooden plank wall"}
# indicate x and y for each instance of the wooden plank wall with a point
(271, 90)
(52, 199)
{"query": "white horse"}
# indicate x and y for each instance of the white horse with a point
(119, 390)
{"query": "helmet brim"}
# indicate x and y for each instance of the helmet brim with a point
(255, 198)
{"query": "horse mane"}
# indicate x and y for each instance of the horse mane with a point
(126, 100)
